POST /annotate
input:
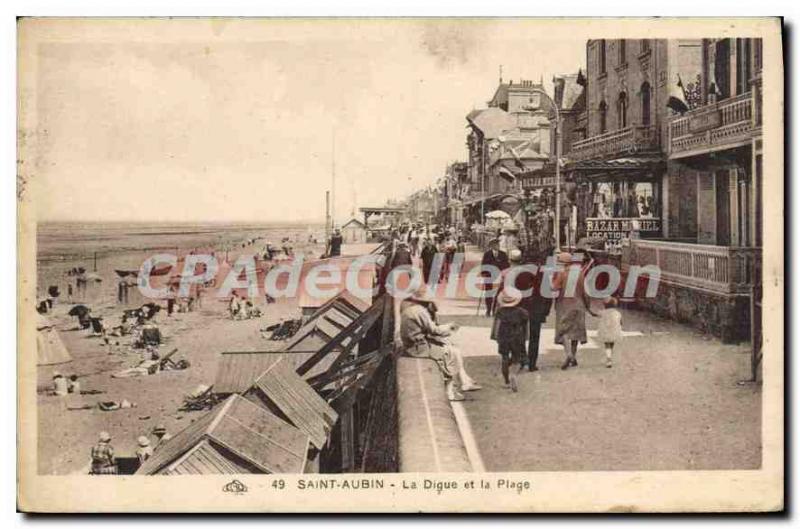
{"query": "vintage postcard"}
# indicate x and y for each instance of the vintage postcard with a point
(400, 265)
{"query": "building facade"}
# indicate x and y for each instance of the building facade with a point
(675, 186)
(511, 137)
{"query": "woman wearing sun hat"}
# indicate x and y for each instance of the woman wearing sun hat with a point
(571, 309)
(145, 450)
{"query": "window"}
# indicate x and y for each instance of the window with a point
(744, 66)
(622, 111)
(603, 112)
(621, 59)
(601, 61)
(644, 45)
(757, 54)
(645, 104)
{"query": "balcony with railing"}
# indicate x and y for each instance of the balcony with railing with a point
(720, 269)
(721, 125)
(622, 142)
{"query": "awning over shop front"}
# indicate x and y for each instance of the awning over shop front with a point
(479, 199)
(617, 168)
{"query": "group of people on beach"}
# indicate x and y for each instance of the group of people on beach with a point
(104, 460)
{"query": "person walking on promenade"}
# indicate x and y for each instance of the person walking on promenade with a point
(609, 330)
(492, 257)
(572, 304)
(510, 330)
(427, 255)
(335, 244)
(537, 306)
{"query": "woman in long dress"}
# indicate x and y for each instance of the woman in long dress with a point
(572, 304)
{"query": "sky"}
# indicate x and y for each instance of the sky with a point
(198, 120)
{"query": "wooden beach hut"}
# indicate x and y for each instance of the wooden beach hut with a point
(239, 437)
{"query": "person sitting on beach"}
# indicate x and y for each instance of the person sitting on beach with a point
(235, 307)
(251, 311)
(162, 436)
(123, 329)
(74, 386)
(60, 386)
(145, 451)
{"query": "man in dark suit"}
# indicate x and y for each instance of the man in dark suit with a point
(493, 257)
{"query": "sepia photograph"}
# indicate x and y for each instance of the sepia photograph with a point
(445, 265)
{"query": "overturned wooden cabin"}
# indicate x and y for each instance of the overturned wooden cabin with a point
(239, 437)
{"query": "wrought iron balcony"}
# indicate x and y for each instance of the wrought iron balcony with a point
(721, 125)
(627, 141)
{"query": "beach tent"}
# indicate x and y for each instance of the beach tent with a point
(238, 437)
(49, 347)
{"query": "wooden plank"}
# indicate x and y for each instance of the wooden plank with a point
(299, 413)
(260, 450)
(347, 439)
(365, 319)
(338, 317)
(327, 328)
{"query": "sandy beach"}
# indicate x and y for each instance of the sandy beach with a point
(200, 337)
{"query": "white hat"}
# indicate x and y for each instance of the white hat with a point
(143, 441)
(515, 255)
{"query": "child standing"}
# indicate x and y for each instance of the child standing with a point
(510, 330)
(609, 330)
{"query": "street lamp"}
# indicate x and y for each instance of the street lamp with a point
(557, 228)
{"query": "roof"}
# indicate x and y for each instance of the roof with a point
(492, 122)
(569, 92)
(326, 322)
(204, 458)
(501, 94)
(385, 209)
(281, 389)
(522, 149)
(354, 221)
(473, 114)
(239, 369)
(237, 436)
(366, 273)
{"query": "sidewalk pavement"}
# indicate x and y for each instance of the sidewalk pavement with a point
(670, 401)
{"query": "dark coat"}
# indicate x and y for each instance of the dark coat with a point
(538, 306)
(501, 261)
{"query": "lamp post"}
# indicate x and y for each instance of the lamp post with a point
(557, 228)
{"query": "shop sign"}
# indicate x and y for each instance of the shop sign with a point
(621, 228)
(704, 121)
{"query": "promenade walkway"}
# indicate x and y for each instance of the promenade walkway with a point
(670, 402)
